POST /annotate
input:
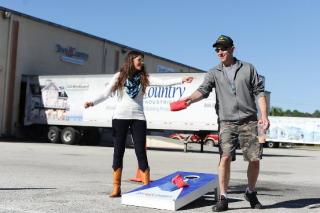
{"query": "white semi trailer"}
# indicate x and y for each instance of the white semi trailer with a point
(293, 130)
(56, 102)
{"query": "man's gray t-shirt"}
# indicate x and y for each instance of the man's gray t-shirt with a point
(230, 72)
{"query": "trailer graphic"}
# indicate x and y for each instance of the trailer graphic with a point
(294, 130)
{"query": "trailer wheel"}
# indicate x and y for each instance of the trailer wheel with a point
(211, 142)
(54, 134)
(272, 144)
(70, 136)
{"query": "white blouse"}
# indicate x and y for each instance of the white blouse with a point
(127, 107)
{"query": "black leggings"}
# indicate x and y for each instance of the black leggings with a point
(138, 129)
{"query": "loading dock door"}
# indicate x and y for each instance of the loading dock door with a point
(4, 41)
(1, 97)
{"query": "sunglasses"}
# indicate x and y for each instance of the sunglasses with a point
(221, 48)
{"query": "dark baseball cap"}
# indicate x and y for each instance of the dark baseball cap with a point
(223, 40)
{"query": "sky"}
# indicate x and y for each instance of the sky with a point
(279, 37)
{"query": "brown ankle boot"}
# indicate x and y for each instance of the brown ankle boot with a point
(145, 176)
(116, 191)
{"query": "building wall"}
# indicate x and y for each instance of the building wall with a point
(38, 50)
(158, 65)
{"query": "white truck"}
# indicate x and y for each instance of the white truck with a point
(56, 103)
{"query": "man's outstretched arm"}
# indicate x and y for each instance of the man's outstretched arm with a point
(194, 97)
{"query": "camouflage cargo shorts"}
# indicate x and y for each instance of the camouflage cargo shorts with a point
(245, 134)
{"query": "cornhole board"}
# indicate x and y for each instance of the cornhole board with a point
(153, 196)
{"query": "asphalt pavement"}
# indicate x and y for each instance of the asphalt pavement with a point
(45, 178)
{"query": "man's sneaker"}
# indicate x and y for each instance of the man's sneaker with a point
(252, 198)
(221, 205)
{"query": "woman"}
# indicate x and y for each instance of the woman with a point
(130, 84)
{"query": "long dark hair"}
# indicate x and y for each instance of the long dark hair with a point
(127, 70)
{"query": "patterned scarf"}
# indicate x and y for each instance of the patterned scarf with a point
(133, 85)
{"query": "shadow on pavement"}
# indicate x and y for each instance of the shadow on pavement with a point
(240, 189)
(204, 201)
(279, 155)
(13, 189)
(295, 204)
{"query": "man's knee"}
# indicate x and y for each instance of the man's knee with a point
(225, 159)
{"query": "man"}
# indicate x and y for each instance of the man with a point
(237, 86)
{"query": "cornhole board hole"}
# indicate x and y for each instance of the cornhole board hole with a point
(155, 195)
